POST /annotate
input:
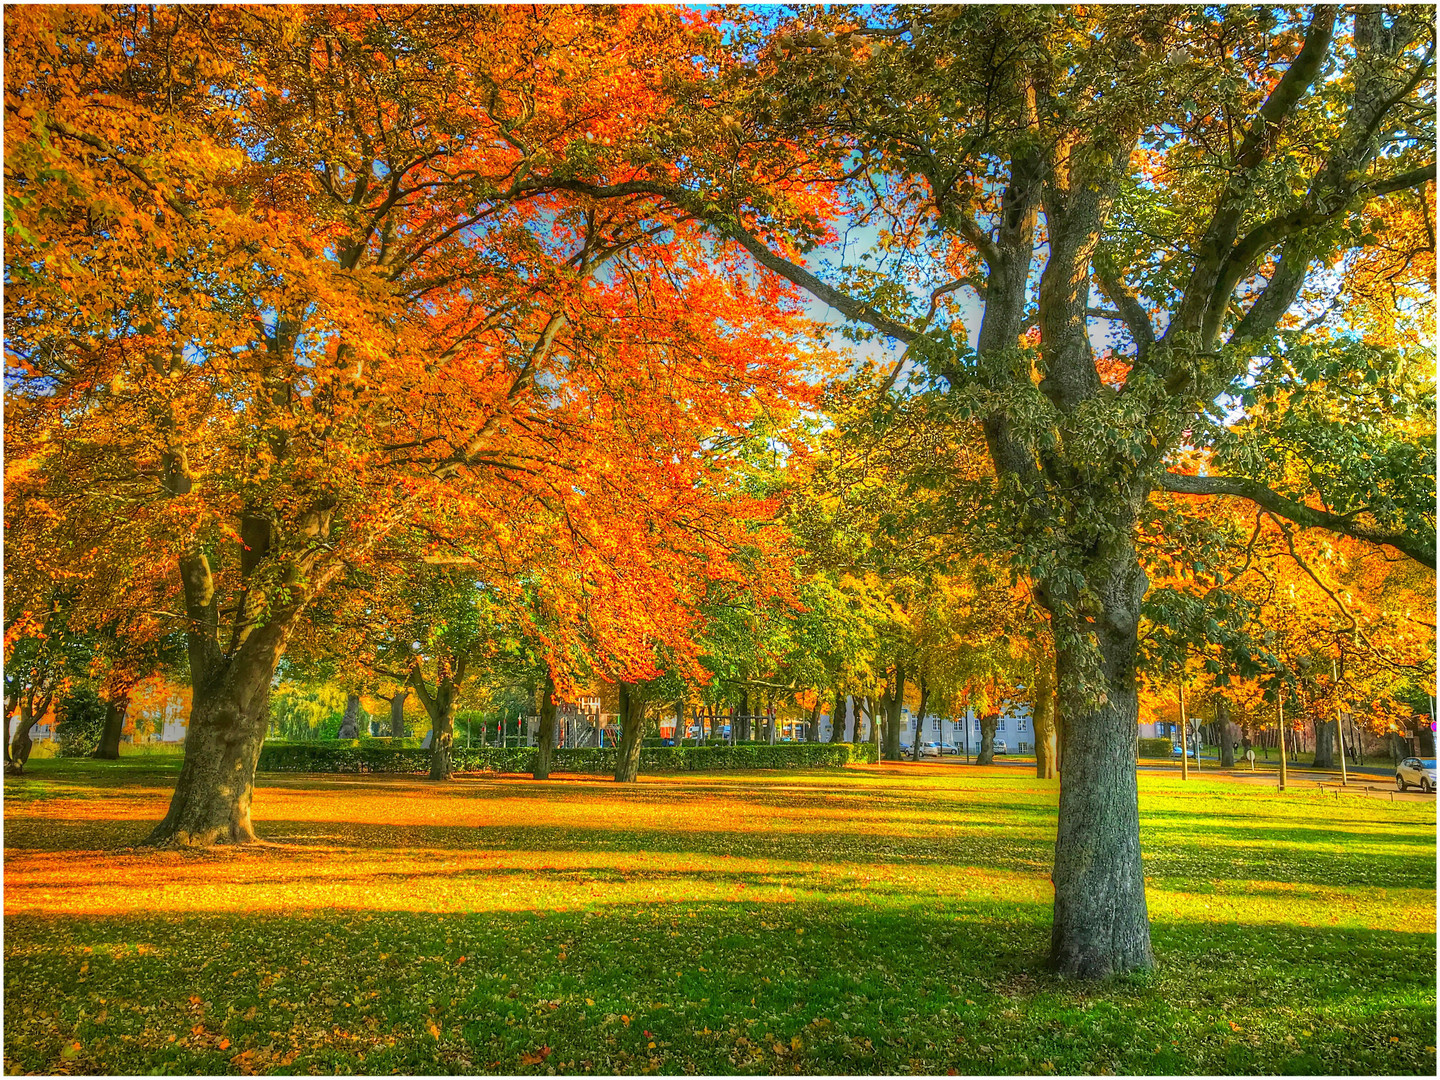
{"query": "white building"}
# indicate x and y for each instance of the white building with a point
(1013, 728)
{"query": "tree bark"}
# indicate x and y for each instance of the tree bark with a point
(837, 719)
(397, 713)
(440, 707)
(985, 752)
(350, 723)
(1325, 743)
(893, 703)
(18, 752)
(1101, 925)
(1047, 734)
(743, 735)
(1225, 732)
(229, 715)
(545, 751)
(627, 762)
(116, 709)
(920, 719)
(812, 733)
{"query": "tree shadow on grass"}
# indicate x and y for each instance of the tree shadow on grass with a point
(717, 987)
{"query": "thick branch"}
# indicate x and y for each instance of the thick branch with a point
(1419, 548)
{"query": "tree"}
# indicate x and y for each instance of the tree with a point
(271, 307)
(1214, 181)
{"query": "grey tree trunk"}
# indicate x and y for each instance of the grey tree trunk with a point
(627, 762)
(397, 713)
(116, 708)
(920, 719)
(744, 721)
(1101, 925)
(985, 752)
(229, 715)
(837, 719)
(1325, 731)
(1225, 731)
(18, 752)
(893, 704)
(812, 733)
(545, 751)
(350, 724)
(1047, 731)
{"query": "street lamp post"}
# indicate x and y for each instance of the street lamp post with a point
(1184, 736)
(1280, 704)
(1339, 724)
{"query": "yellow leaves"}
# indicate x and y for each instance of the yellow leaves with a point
(589, 1001)
(433, 1028)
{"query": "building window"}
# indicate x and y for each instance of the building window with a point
(1020, 725)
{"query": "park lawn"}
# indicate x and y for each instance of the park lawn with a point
(888, 919)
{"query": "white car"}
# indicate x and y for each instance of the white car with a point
(929, 749)
(1417, 771)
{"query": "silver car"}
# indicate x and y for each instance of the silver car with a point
(1417, 771)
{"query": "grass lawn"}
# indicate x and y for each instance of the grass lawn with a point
(884, 919)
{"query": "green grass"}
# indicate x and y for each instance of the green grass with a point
(890, 920)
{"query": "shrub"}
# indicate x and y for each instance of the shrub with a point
(82, 720)
(1153, 748)
(352, 756)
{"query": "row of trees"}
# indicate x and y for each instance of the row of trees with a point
(427, 337)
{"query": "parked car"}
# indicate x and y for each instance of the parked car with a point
(905, 748)
(1175, 751)
(929, 749)
(998, 746)
(949, 748)
(1417, 771)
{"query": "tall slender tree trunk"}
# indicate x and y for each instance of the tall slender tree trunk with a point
(116, 708)
(627, 762)
(545, 750)
(744, 733)
(985, 752)
(837, 719)
(1101, 924)
(893, 704)
(812, 733)
(1043, 712)
(920, 719)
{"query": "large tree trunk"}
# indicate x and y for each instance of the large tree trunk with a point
(985, 752)
(441, 708)
(397, 713)
(229, 715)
(1047, 733)
(545, 750)
(18, 752)
(627, 763)
(920, 719)
(893, 704)
(837, 720)
(744, 720)
(115, 710)
(1325, 731)
(812, 733)
(350, 724)
(1225, 731)
(1101, 925)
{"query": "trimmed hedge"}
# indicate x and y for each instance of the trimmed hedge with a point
(347, 757)
(1153, 748)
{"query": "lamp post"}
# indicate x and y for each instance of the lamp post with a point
(1184, 736)
(1280, 704)
(1339, 724)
